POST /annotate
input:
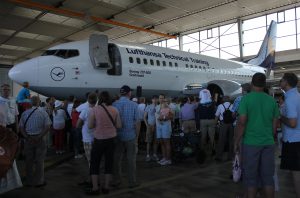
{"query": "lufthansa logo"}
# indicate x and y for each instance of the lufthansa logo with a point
(57, 74)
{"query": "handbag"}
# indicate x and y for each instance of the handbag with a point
(8, 149)
(236, 168)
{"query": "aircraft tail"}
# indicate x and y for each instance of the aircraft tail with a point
(266, 55)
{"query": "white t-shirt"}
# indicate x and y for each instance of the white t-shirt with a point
(221, 110)
(82, 107)
(11, 109)
(59, 119)
(69, 109)
(87, 134)
(205, 96)
(141, 111)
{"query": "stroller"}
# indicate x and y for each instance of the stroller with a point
(186, 146)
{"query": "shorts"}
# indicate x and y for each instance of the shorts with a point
(189, 126)
(163, 130)
(258, 165)
(290, 156)
(150, 133)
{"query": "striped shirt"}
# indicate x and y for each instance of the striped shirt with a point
(37, 122)
(129, 115)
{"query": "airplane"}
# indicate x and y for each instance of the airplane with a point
(79, 67)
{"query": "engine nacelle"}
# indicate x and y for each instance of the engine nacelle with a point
(224, 88)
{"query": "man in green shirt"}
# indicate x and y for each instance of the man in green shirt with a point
(257, 126)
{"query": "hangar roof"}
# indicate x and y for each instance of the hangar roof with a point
(28, 27)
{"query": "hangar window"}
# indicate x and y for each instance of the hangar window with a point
(280, 17)
(138, 60)
(145, 61)
(151, 62)
(191, 66)
(186, 66)
(157, 62)
(209, 33)
(200, 67)
(196, 66)
(170, 64)
(176, 65)
(164, 63)
(130, 59)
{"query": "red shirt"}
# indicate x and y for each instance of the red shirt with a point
(75, 117)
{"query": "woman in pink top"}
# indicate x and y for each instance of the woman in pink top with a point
(105, 120)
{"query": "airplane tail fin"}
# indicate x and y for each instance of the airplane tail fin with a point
(266, 55)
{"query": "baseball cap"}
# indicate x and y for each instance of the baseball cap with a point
(125, 89)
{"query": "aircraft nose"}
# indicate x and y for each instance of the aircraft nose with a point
(25, 72)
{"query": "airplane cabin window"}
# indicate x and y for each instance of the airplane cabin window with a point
(151, 62)
(145, 61)
(176, 65)
(157, 62)
(170, 64)
(196, 66)
(191, 66)
(164, 63)
(186, 66)
(130, 59)
(138, 60)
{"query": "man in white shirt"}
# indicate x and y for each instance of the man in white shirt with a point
(205, 96)
(226, 128)
(87, 134)
(70, 105)
(11, 108)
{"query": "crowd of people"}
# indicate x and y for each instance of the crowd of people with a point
(107, 128)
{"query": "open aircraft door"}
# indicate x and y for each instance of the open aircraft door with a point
(98, 51)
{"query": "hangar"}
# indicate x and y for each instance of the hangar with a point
(231, 29)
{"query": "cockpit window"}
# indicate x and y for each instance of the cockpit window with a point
(49, 53)
(62, 53)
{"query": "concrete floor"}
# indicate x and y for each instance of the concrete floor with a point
(185, 179)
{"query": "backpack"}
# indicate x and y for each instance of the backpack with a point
(8, 149)
(227, 115)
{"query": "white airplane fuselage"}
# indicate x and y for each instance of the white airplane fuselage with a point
(52, 75)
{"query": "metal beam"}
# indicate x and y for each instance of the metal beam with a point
(240, 33)
(82, 15)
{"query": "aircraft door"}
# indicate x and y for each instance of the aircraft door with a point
(98, 51)
(115, 60)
